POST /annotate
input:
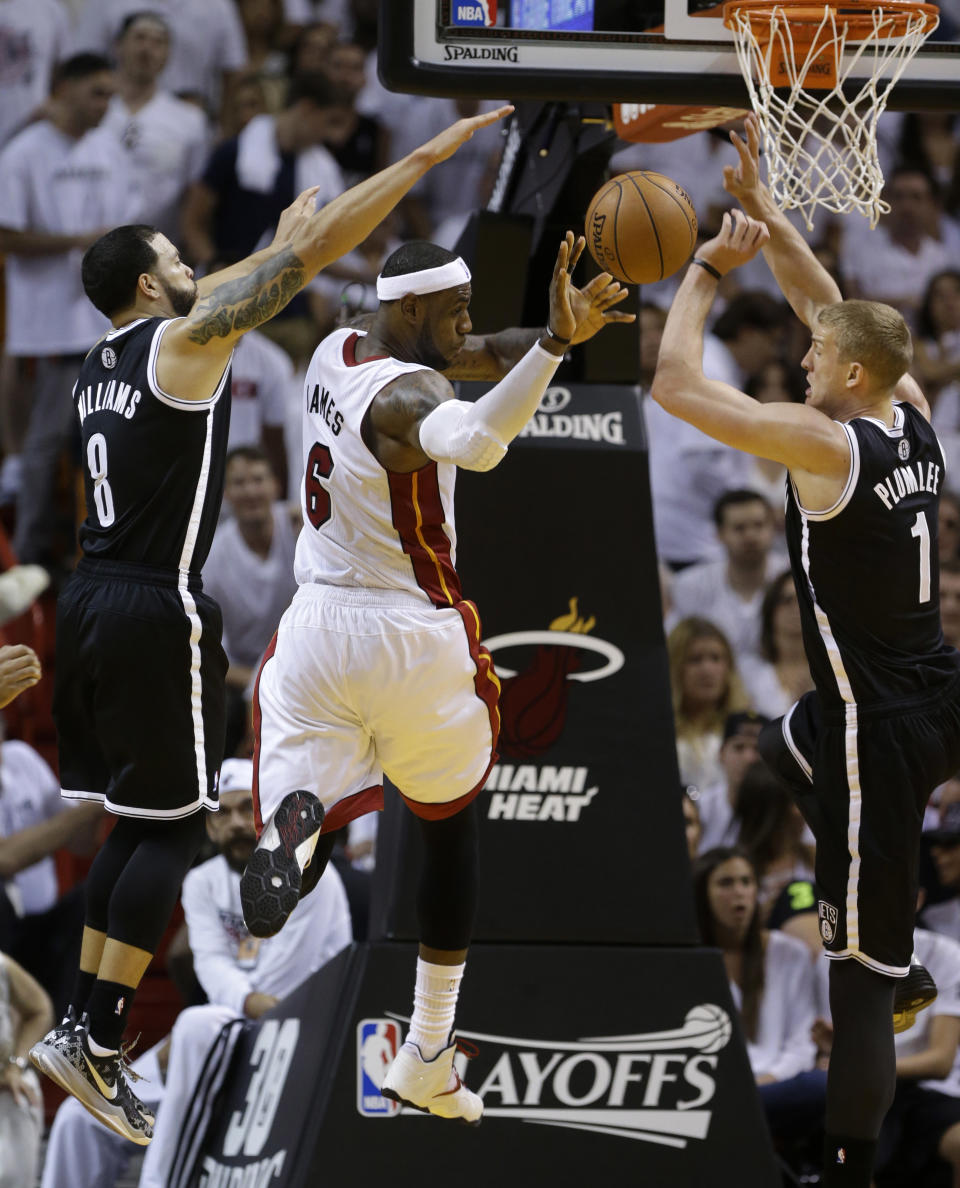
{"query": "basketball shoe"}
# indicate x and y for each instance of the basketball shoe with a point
(273, 880)
(912, 994)
(99, 1083)
(433, 1086)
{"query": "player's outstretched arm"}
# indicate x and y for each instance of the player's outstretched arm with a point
(803, 280)
(799, 437)
(195, 349)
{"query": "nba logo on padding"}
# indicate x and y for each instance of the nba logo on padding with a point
(378, 1041)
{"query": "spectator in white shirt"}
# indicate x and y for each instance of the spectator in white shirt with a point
(730, 592)
(264, 390)
(780, 675)
(166, 137)
(896, 263)
(919, 1143)
(243, 977)
(772, 982)
(33, 34)
(63, 182)
(25, 1012)
(38, 927)
(921, 1132)
(250, 573)
(207, 43)
(705, 687)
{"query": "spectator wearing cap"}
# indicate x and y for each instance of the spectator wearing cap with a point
(944, 843)
(242, 976)
(729, 591)
(718, 801)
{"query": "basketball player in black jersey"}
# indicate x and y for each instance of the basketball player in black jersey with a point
(139, 698)
(882, 727)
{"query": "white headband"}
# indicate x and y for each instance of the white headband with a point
(428, 280)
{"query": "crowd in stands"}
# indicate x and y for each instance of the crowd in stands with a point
(204, 118)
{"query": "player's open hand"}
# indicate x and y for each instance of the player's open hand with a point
(575, 313)
(300, 211)
(739, 240)
(446, 143)
(743, 179)
(19, 669)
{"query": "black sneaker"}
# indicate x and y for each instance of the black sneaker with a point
(67, 1025)
(271, 885)
(61, 1040)
(913, 994)
(99, 1083)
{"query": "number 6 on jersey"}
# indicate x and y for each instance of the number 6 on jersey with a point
(319, 466)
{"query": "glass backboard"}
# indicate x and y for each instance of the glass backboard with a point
(649, 51)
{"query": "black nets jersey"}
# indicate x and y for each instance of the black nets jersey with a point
(866, 569)
(153, 463)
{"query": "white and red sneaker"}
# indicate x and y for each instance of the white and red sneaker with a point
(433, 1086)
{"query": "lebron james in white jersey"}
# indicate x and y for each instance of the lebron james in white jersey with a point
(377, 665)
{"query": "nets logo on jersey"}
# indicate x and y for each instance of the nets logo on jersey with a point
(903, 449)
(476, 12)
(108, 357)
(828, 921)
(378, 1041)
(652, 1086)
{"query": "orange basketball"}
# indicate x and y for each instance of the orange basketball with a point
(641, 227)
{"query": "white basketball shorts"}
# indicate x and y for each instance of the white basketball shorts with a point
(357, 683)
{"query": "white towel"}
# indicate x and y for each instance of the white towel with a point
(258, 163)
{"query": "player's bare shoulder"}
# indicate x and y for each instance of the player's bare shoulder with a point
(391, 428)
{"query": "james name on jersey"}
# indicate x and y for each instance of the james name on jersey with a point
(323, 405)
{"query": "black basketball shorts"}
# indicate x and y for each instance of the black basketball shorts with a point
(862, 778)
(139, 691)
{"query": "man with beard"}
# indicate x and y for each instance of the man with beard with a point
(377, 665)
(139, 697)
(243, 977)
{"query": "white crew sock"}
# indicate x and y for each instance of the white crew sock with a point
(434, 1006)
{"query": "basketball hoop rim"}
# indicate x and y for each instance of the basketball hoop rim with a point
(855, 20)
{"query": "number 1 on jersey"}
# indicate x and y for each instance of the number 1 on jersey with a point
(317, 497)
(921, 530)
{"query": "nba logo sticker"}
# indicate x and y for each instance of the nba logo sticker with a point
(474, 12)
(378, 1041)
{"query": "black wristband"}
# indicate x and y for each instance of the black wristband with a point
(708, 267)
(556, 337)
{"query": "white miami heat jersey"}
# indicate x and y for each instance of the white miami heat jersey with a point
(364, 525)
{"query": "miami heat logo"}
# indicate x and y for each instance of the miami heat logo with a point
(533, 703)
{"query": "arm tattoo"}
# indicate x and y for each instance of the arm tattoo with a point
(250, 300)
(491, 356)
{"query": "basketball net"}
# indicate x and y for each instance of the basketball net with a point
(818, 125)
